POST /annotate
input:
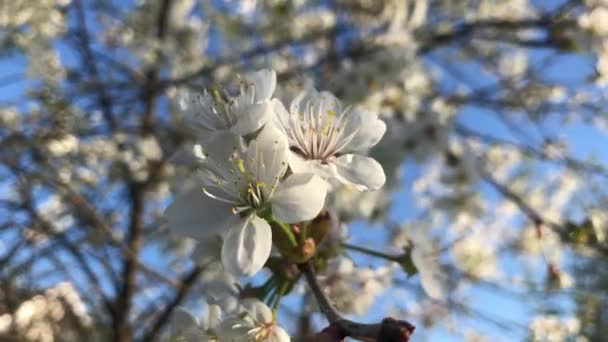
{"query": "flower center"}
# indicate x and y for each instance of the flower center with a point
(254, 193)
(317, 135)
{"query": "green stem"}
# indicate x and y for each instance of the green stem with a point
(364, 250)
(279, 294)
(304, 232)
(287, 231)
(268, 287)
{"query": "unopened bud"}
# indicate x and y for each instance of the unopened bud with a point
(296, 229)
(308, 248)
(320, 227)
(280, 240)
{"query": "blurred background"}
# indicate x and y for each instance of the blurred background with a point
(496, 156)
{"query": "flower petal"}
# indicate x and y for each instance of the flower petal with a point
(213, 317)
(250, 117)
(219, 146)
(368, 127)
(183, 322)
(267, 155)
(299, 198)
(247, 246)
(197, 111)
(278, 334)
(361, 172)
(281, 115)
(195, 215)
(257, 310)
(302, 165)
(321, 103)
(327, 102)
(303, 99)
(264, 82)
(430, 275)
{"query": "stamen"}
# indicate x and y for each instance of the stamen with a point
(218, 198)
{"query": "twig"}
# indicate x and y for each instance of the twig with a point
(186, 283)
(137, 192)
(389, 330)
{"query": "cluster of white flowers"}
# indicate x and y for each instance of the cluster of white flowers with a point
(551, 328)
(261, 165)
(43, 316)
(354, 289)
(252, 320)
(595, 22)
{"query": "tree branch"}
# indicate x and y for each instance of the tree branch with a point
(389, 330)
(186, 283)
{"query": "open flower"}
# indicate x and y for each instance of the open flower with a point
(187, 328)
(243, 114)
(242, 189)
(326, 139)
(425, 259)
(255, 323)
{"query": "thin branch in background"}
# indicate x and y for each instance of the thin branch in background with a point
(185, 285)
(389, 330)
(137, 193)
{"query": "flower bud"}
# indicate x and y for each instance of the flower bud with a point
(320, 227)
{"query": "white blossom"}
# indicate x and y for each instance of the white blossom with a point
(242, 115)
(424, 255)
(475, 256)
(240, 184)
(326, 139)
(353, 289)
(255, 322)
(187, 328)
(551, 328)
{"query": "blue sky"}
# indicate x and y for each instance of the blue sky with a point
(585, 142)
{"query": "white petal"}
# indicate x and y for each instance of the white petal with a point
(250, 117)
(302, 165)
(299, 198)
(183, 322)
(301, 101)
(369, 130)
(257, 310)
(193, 214)
(213, 317)
(430, 277)
(279, 334)
(327, 102)
(264, 82)
(281, 116)
(234, 329)
(218, 148)
(432, 285)
(320, 103)
(196, 109)
(267, 155)
(190, 155)
(247, 246)
(361, 172)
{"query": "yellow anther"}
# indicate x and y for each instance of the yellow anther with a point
(240, 165)
(215, 93)
(328, 119)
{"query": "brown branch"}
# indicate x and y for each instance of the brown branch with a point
(535, 216)
(389, 330)
(137, 191)
(89, 61)
(185, 284)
